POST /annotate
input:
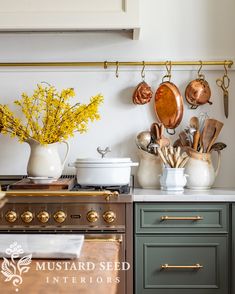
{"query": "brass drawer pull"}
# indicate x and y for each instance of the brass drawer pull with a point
(194, 266)
(192, 218)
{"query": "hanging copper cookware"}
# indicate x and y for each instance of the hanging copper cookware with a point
(169, 103)
(198, 91)
(143, 92)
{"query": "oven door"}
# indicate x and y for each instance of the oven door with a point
(63, 263)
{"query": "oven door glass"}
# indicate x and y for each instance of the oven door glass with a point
(63, 263)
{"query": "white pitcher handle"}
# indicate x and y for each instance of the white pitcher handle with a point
(219, 162)
(67, 152)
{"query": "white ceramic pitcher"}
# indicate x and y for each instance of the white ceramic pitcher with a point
(149, 170)
(44, 160)
(200, 170)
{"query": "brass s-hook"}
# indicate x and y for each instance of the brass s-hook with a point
(200, 75)
(105, 64)
(142, 71)
(117, 68)
(225, 68)
(168, 69)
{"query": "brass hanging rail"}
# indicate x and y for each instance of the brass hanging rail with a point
(106, 64)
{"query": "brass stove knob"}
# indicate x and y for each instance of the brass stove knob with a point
(60, 216)
(109, 216)
(92, 216)
(27, 216)
(43, 216)
(11, 216)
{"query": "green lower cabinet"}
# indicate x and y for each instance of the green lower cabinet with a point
(233, 249)
(179, 264)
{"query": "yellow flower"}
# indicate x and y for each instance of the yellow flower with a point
(49, 116)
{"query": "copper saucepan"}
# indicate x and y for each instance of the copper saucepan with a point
(198, 91)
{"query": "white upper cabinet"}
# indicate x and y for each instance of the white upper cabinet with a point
(69, 15)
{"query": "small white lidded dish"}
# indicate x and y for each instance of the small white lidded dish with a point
(42, 180)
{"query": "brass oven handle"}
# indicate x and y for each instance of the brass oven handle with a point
(106, 193)
(194, 266)
(192, 218)
(119, 240)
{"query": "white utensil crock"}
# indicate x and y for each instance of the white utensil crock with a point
(173, 179)
(44, 160)
(200, 170)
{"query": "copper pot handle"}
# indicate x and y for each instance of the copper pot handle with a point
(170, 133)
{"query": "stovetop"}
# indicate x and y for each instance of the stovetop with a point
(121, 189)
(7, 181)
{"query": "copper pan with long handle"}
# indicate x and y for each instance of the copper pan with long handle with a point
(169, 105)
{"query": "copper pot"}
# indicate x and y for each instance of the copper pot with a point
(169, 105)
(198, 92)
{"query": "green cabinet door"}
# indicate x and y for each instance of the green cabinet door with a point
(163, 264)
(233, 249)
(152, 218)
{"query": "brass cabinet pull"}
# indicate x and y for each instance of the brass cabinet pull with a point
(192, 218)
(194, 266)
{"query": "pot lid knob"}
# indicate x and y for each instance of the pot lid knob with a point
(103, 152)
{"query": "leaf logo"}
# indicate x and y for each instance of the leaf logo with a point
(13, 268)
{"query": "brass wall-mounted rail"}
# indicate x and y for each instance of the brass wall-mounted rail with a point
(107, 64)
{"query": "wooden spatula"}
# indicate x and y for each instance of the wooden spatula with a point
(208, 133)
(218, 127)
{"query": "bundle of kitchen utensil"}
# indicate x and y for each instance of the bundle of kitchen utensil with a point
(201, 135)
(150, 141)
(173, 157)
(174, 160)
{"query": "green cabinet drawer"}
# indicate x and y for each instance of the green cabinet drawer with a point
(154, 253)
(181, 218)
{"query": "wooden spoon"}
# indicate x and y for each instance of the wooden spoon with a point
(194, 123)
(155, 131)
(218, 146)
(208, 133)
(184, 139)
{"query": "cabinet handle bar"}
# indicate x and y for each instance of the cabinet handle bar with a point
(194, 266)
(193, 218)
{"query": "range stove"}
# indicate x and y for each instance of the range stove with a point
(78, 208)
(94, 212)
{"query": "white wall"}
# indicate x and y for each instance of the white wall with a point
(171, 30)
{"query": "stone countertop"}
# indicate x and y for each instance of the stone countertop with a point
(212, 195)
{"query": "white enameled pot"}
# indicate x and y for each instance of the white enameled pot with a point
(103, 171)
